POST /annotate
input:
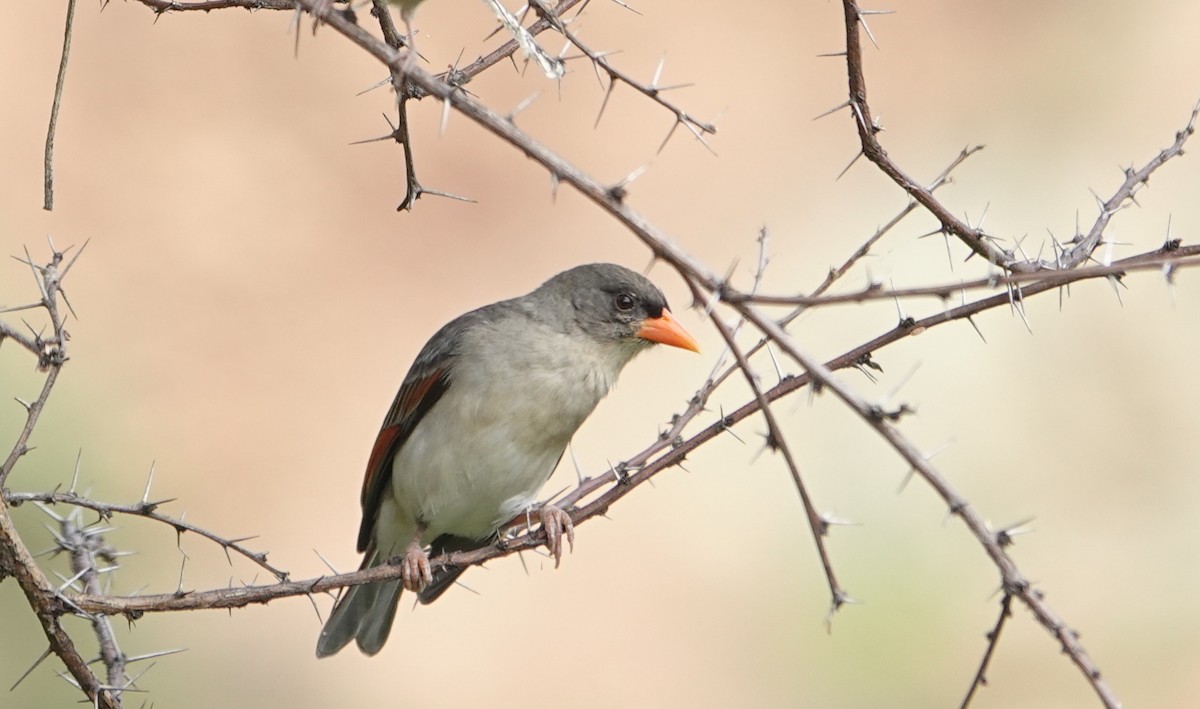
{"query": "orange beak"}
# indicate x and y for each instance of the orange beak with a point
(665, 329)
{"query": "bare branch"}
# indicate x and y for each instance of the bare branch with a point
(993, 638)
(974, 237)
(161, 6)
(48, 177)
(51, 353)
(148, 510)
(48, 606)
(777, 442)
(86, 547)
(1175, 259)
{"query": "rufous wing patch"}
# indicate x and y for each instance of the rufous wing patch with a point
(415, 398)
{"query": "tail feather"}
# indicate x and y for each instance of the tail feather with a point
(444, 577)
(363, 613)
(374, 627)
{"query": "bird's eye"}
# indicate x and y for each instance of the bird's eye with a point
(624, 302)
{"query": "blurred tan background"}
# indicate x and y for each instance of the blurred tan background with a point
(249, 301)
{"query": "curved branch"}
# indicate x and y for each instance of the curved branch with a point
(976, 239)
(48, 606)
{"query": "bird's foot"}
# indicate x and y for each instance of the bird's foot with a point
(557, 524)
(415, 572)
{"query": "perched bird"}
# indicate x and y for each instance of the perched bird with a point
(480, 423)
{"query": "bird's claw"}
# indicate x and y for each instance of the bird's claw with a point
(557, 524)
(415, 571)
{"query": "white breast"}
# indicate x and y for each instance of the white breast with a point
(483, 452)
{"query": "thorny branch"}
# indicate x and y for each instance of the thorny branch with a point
(15, 560)
(776, 441)
(50, 350)
(596, 494)
(616, 77)
(149, 510)
(601, 491)
(163, 6)
(86, 547)
(610, 199)
(993, 638)
(979, 241)
(45, 601)
(1167, 260)
(940, 181)
(457, 78)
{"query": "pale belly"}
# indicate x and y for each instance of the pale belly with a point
(482, 453)
(473, 463)
(468, 484)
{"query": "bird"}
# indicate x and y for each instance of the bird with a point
(480, 422)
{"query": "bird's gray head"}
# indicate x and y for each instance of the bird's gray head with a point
(614, 304)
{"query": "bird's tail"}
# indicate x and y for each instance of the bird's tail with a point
(363, 613)
(445, 576)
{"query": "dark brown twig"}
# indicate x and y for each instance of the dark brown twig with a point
(163, 6)
(48, 167)
(993, 640)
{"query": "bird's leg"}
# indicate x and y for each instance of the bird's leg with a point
(557, 523)
(415, 572)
